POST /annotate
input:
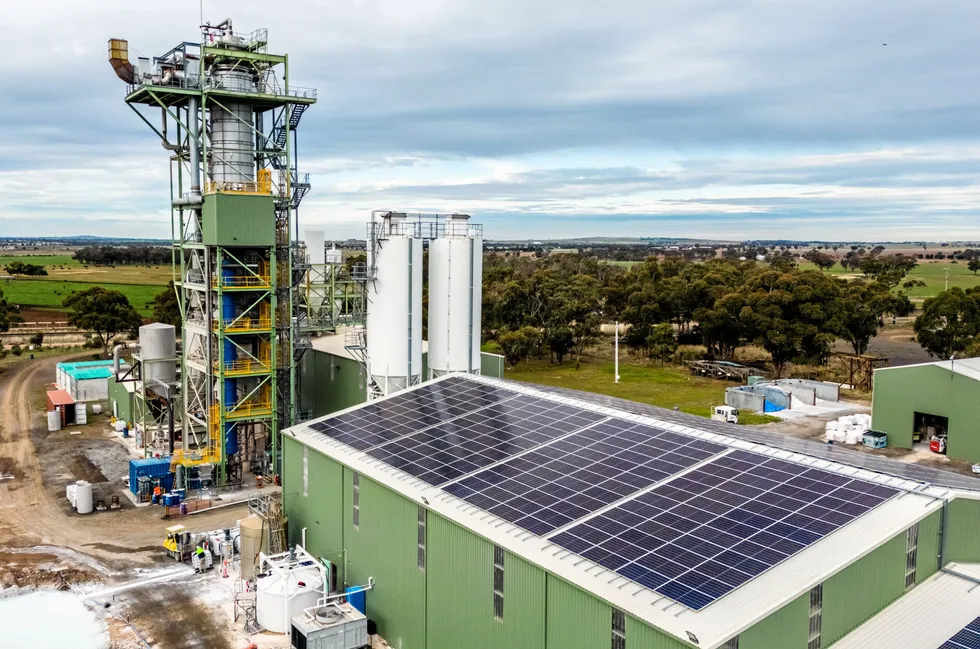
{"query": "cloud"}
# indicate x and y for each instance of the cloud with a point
(695, 118)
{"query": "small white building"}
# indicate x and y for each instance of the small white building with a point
(86, 381)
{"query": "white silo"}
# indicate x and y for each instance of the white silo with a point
(158, 350)
(394, 310)
(315, 246)
(455, 297)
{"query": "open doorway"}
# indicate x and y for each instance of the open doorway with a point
(926, 426)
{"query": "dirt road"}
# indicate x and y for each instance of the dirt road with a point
(33, 510)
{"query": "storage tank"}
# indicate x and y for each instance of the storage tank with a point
(315, 246)
(54, 420)
(455, 298)
(281, 595)
(251, 544)
(158, 347)
(394, 312)
(83, 497)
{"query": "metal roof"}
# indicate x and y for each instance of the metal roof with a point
(927, 616)
(968, 367)
(60, 398)
(712, 625)
(89, 369)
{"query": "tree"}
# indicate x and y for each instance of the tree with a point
(819, 259)
(104, 312)
(8, 313)
(949, 322)
(166, 306)
(560, 341)
(520, 345)
(974, 264)
(662, 343)
(37, 340)
(20, 268)
(863, 307)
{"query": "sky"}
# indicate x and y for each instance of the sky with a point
(729, 119)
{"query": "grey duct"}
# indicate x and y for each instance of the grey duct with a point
(163, 131)
(195, 151)
(115, 360)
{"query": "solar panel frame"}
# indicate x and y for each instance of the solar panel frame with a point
(570, 478)
(701, 538)
(966, 638)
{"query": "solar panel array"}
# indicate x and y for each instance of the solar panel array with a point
(559, 483)
(476, 440)
(703, 534)
(408, 412)
(968, 638)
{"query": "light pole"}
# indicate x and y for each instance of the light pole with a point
(616, 353)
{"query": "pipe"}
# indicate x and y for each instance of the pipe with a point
(303, 535)
(187, 201)
(163, 131)
(115, 360)
(195, 152)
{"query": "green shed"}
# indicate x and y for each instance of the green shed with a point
(913, 403)
(121, 395)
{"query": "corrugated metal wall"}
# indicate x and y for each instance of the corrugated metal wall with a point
(384, 546)
(963, 531)
(900, 392)
(641, 636)
(119, 395)
(785, 629)
(576, 619)
(321, 509)
(460, 584)
(863, 589)
(927, 551)
(238, 220)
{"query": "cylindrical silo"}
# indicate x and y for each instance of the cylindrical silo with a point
(158, 348)
(455, 298)
(232, 137)
(394, 313)
(315, 246)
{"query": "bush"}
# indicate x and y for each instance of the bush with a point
(93, 343)
(16, 350)
(37, 339)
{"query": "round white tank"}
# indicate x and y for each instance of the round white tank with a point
(83, 497)
(54, 420)
(455, 299)
(315, 246)
(394, 315)
(250, 544)
(280, 597)
(158, 341)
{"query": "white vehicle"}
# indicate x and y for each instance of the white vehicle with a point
(725, 413)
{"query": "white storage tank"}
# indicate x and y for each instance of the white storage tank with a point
(83, 497)
(315, 246)
(394, 312)
(455, 298)
(54, 420)
(284, 595)
(158, 346)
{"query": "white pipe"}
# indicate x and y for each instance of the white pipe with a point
(115, 361)
(616, 371)
(303, 536)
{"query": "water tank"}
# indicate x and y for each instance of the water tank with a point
(54, 420)
(315, 246)
(394, 314)
(250, 544)
(83, 497)
(455, 298)
(284, 594)
(158, 341)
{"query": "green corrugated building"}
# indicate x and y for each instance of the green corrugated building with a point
(919, 401)
(121, 397)
(447, 574)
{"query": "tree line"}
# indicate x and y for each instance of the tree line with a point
(20, 268)
(124, 255)
(555, 306)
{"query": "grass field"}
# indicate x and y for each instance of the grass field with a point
(664, 387)
(49, 294)
(933, 273)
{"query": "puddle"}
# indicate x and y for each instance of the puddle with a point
(26, 621)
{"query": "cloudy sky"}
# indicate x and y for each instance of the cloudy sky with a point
(701, 118)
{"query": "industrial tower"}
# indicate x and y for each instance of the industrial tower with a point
(238, 271)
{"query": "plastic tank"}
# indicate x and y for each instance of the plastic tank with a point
(158, 341)
(83, 497)
(315, 246)
(281, 596)
(394, 314)
(54, 420)
(250, 544)
(455, 298)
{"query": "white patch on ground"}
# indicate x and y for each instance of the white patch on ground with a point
(66, 553)
(799, 409)
(48, 619)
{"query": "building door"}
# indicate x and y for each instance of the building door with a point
(926, 426)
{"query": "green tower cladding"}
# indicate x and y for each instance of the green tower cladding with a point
(228, 116)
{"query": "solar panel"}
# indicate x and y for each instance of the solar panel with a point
(410, 411)
(567, 479)
(476, 440)
(703, 534)
(968, 638)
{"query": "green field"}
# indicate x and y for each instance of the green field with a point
(50, 294)
(64, 268)
(933, 273)
(665, 387)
